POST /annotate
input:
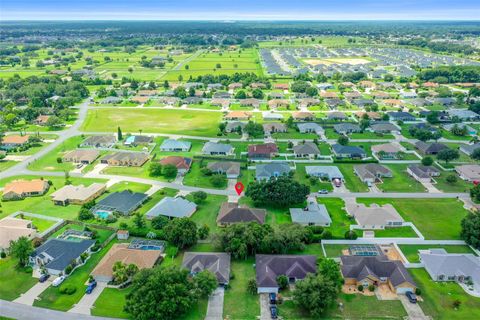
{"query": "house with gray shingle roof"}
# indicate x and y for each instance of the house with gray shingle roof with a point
(383, 127)
(229, 168)
(423, 174)
(348, 151)
(468, 149)
(216, 149)
(346, 128)
(172, 145)
(235, 126)
(173, 208)
(310, 127)
(372, 172)
(217, 263)
(324, 172)
(105, 141)
(314, 214)
(463, 114)
(306, 150)
(271, 170)
(430, 148)
(231, 212)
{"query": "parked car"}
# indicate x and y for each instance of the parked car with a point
(273, 298)
(323, 191)
(58, 281)
(43, 277)
(90, 287)
(273, 312)
(411, 297)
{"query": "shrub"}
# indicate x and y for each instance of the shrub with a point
(360, 288)
(59, 160)
(252, 286)
(282, 282)
(351, 235)
(327, 235)
(418, 291)
(3, 255)
(68, 289)
(371, 288)
(68, 269)
(316, 229)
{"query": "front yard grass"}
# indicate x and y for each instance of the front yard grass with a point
(401, 181)
(14, 280)
(49, 161)
(110, 303)
(411, 251)
(435, 218)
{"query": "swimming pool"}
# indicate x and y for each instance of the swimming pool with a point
(103, 214)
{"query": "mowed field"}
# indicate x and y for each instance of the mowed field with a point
(178, 121)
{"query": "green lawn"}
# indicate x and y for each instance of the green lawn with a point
(14, 280)
(102, 234)
(334, 250)
(435, 218)
(196, 178)
(352, 182)
(40, 224)
(340, 220)
(411, 251)
(186, 122)
(128, 185)
(207, 211)
(301, 176)
(439, 297)
(238, 303)
(459, 186)
(4, 165)
(275, 215)
(401, 181)
(110, 303)
(49, 161)
(400, 232)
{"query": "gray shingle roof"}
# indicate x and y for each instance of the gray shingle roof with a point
(313, 213)
(172, 207)
(213, 147)
(123, 202)
(274, 169)
(216, 262)
(62, 252)
(269, 267)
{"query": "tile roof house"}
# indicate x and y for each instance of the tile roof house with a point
(80, 194)
(238, 115)
(13, 141)
(374, 216)
(124, 202)
(430, 148)
(99, 141)
(233, 213)
(348, 151)
(182, 164)
(13, 228)
(376, 270)
(125, 159)
(469, 172)
(41, 120)
(173, 208)
(306, 150)
(372, 172)
(346, 128)
(120, 252)
(262, 151)
(172, 145)
(216, 262)
(229, 168)
(458, 267)
(20, 189)
(56, 254)
(314, 214)
(270, 267)
(278, 103)
(271, 170)
(423, 174)
(214, 149)
(81, 156)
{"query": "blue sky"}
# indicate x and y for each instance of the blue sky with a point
(239, 10)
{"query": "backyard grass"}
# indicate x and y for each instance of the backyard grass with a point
(275, 215)
(238, 303)
(400, 232)
(128, 185)
(439, 297)
(14, 280)
(411, 251)
(340, 220)
(435, 218)
(40, 224)
(334, 250)
(183, 122)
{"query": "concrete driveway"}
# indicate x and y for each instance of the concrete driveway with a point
(264, 307)
(29, 297)
(86, 303)
(413, 309)
(215, 305)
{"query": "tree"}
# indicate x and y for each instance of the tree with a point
(21, 249)
(330, 269)
(280, 192)
(139, 221)
(282, 282)
(206, 282)
(257, 93)
(199, 196)
(155, 169)
(240, 95)
(161, 293)
(54, 122)
(253, 129)
(475, 154)
(119, 134)
(170, 171)
(351, 234)
(427, 161)
(218, 180)
(471, 229)
(315, 294)
(181, 232)
(252, 286)
(203, 232)
(448, 155)
(159, 222)
(452, 178)
(343, 140)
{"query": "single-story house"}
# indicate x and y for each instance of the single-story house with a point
(172, 145)
(469, 172)
(270, 267)
(111, 100)
(278, 103)
(231, 212)
(121, 252)
(449, 126)
(250, 102)
(430, 148)
(216, 149)
(324, 172)
(125, 159)
(13, 228)
(135, 140)
(306, 150)
(217, 263)
(80, 194)
(81, 156)
(346, 128)
(234, 126)
(182, 164)
(458, 267)
(386, 150)
(106, 141)
(271, 170)
(314, 214)
(401, 116)
(229, 168)
(124, 202)
(374, 216)
(370, 114)
(376, 270)
(262, 151)
(372, 172)
(468, 149)
(303, 116)
(336, 115)
(463, 114)
(13, 141)
(56, 255)
(310, 127)
(351, 152)
(383, 127)
(173, 208)
(423, 174)
(20, 189)
(269, 116)
(41, 120)
(273, 127)
(238, 115)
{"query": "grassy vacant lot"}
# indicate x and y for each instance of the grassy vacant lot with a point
(439, 297)
(352, 182)
(443, 185)
(49, 161)
(183, 122)
(238, 303)
(14, 280)
(207, 211)
(435, 218)
(401, 181)
(340, 221)
(4, 165)
(411, 251)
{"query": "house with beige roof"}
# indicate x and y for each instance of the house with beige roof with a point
(20, 189)
(14, 141)
(80, 195)
(386, 151)
(81, 156)
(238, 115)
(469, 172)
(374, 216)
(13, 228)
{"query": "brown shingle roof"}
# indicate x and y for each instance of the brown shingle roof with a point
(231, 213)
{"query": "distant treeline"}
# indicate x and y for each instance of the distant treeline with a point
(451, 74)
(438, 46)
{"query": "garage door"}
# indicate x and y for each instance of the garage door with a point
(403, 290)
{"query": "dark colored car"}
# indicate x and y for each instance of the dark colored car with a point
(43, 277)
(90, 287)
(273, 312)
(273, 298)
(411, 297)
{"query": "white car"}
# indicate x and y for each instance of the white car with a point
(58, 281)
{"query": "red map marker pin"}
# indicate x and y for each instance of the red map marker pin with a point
(239, 187)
